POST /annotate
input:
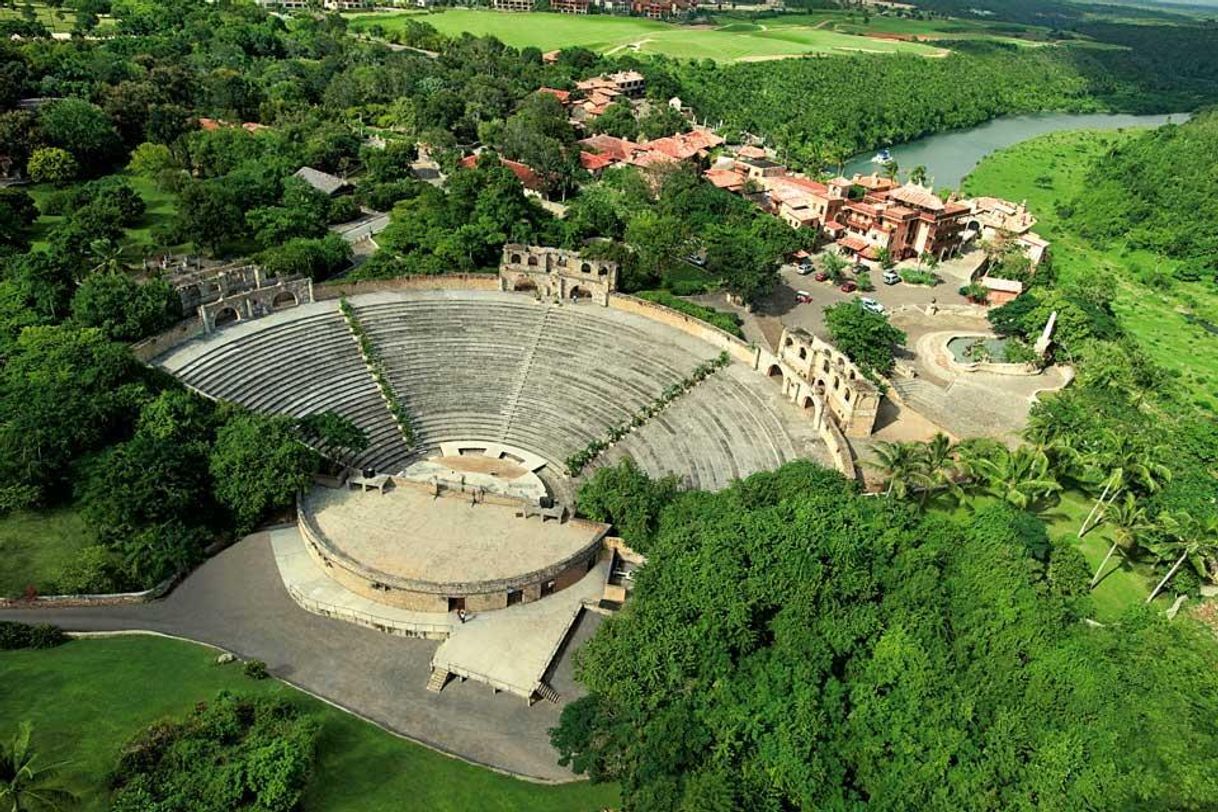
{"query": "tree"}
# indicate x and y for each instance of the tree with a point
(1128, 520)
(833, 265)
(1020, 477)
(617, 120)
(1195, 539)
(865, 337)
(17, 214)
(918, 175)
(626, 497)
(123, 308)
(209, 215)
(149, 160)
(52, 165)
(258, 465)
(82, 129)
(903, 465)
(25, 784)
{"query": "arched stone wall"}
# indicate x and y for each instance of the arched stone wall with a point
(250, 304)
(556, 275)
(815, 372)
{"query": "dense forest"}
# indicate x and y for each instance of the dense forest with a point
(794, 645)
(819, 112)
(1158, 191)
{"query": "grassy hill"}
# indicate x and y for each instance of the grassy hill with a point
(733, 41)
(1175, 321)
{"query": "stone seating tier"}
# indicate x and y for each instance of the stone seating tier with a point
(496, 367)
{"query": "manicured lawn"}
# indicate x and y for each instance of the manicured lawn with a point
(161, 207)
(88, 697)
(735, 41)
(1166, 315)
(34, 545)
(54, 19)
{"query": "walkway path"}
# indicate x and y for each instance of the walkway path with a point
(237, 601)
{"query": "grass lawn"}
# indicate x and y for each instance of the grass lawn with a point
(88, 697)
(732, 42)
(34, 545)
(161, 207)
(62, 20)
(1166, 315)
(1125, 584)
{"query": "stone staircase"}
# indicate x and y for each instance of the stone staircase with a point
(548, 693)
(437, 680)
(523, 376)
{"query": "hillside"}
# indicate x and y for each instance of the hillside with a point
(1158, 191)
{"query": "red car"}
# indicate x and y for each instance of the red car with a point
(849, 286)
(803, 297)
(821, 276)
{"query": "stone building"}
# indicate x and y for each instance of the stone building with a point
(237, 293)
(556, 274)
(816, 376)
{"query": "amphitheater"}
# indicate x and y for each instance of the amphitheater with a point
(501, 388)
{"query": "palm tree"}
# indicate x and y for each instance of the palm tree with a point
(902, 464)
(918, 175)
(1193, 538)
(24, 784)
(1019, 477)
(833, 264)
(1128, 520)
(1127, 465)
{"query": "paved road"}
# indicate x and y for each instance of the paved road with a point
(236, 601)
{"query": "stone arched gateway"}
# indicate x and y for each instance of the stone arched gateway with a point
(817, 376)
(556, 275)
(255, 302)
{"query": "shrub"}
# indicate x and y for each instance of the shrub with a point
(94, 571)
(255, 669)
(22, 635)
(727, 322)
(913, 276)
(52, 165)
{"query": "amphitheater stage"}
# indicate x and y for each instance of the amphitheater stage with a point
(509, 650)
(409, 548)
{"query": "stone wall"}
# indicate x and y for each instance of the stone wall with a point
(465, 281)
(815, 374)
(695, 327)
(251, 304)
(162, 343)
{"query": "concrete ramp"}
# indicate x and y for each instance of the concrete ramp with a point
(511, 649)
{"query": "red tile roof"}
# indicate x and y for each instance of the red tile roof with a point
(594, 162)
(854, 243)
(525, 174)
(563, 96)
(725, 179)
(619, 149)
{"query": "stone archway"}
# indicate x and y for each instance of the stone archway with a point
(226, 315)
(578, 292)
(524, 283)
(775, 371)
(284, 300)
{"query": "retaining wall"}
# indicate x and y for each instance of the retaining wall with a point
(738, 349)
(463, 281)
(180, 333)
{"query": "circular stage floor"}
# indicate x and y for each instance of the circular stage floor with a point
(407, 547)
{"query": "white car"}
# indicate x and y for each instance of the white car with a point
(871, 304)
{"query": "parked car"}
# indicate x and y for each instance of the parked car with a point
(803, 297)
(821, 276)
(871, 304)
(804, 268)
(696, 259)
(891, 277)
(849, 286)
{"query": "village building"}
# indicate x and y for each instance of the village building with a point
(995, 218)
(324, 182)
(1000, 291)
(570, 6)
(527, 176)
(658, 9)
(512, 5)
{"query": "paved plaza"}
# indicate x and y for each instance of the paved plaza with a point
(237, 601)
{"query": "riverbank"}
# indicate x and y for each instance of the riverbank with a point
(950, 156)
(1166, 316)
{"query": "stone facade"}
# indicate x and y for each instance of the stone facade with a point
(816, 376)
(238, 293)
(555, 274)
